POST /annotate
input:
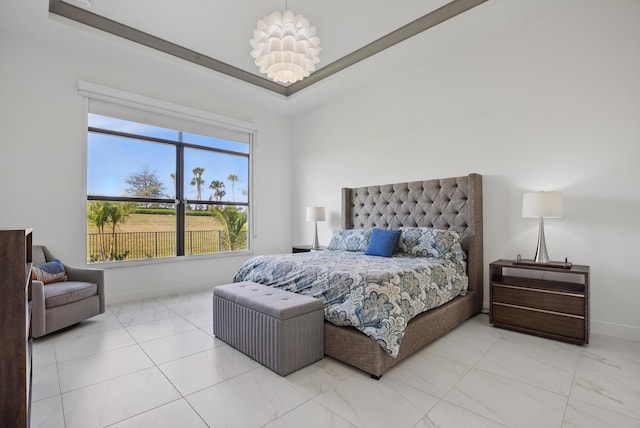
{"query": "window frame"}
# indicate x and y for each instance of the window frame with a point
(150, 106)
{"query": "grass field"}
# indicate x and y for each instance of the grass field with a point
(154, 235)
(161, 223)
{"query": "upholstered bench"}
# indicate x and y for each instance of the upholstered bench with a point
(281, 330)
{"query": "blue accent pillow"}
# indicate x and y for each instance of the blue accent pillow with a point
(382, 242)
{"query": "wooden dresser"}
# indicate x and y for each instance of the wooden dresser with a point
(15, 328)
(545, 301)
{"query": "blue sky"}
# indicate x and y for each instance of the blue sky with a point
(110, 160)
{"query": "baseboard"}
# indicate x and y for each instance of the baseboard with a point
(597, 327)
(113, 299)
(615, 330)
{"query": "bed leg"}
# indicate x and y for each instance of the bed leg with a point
(374, 377)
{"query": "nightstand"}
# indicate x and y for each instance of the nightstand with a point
(545, 301)
(304, 249)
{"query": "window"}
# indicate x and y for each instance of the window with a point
(157, 191)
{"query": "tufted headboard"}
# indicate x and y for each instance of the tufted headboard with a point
(449, 203)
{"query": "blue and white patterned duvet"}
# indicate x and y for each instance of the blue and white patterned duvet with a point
(376, 295)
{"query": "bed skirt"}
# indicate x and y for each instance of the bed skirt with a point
(352, 347)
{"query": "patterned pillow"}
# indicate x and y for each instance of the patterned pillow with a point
(350, 240)
(430, 242)
(49, 272)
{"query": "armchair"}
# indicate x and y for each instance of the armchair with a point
(61, 304)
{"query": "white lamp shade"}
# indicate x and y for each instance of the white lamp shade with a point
(542, 204)
(315, 213)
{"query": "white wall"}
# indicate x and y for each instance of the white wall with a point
(42, 141)
(534, 95)
(538, 95)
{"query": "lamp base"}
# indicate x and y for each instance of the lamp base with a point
(315, 245)
(529, 262)
(541, 250)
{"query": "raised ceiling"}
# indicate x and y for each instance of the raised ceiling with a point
(215, 33)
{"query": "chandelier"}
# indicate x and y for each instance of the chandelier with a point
(285, 47)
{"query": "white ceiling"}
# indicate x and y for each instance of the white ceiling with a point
(221, 29)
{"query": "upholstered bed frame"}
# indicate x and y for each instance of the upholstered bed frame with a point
(450, 203)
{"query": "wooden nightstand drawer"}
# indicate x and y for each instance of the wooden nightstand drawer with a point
(569, 303)
(543, 322)
(543, 300)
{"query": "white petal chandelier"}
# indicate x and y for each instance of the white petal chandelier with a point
(285, 47)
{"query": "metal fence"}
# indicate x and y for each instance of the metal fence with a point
(149, 245)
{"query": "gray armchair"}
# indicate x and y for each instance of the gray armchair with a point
(62, 304)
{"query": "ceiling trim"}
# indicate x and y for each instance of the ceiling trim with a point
(442, 14)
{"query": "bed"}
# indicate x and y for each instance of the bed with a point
(450, 207)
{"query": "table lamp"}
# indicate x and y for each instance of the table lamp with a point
(542, 205)
(315, 214)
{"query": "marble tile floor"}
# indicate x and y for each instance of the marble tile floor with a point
(155, 363)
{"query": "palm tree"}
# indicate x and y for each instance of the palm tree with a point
(198, 181)
(233, 222)
(103, 213)
(233, 178)
(97, 214)
(118, 214)
(218, 187)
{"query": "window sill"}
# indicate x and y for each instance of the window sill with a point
(176, 259)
